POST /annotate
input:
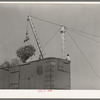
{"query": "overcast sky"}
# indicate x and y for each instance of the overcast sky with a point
(82, 17)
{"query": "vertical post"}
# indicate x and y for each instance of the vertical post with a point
(62, 31)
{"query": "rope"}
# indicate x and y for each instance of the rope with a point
(83, 32)
(45, 21)
(84, 56)
(27, 27)
(86, 37)
(28, 41)
(63, 25)
(51, 37)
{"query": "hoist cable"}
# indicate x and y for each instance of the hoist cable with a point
(83, 32)
(28, 41)
(45, 21)
(52, 37)
(26, 32)
(85, 36)
(83, 55)
(27, 27)
(65, 26)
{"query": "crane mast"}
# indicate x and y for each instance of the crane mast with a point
(35, 35)
(62, 31)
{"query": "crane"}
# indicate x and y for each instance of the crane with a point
(36, 36)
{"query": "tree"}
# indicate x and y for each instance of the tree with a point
(15, 62)
(25, 52)
(6, 64)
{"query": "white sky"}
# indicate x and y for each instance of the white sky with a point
(82, 17)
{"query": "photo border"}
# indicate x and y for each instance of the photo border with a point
(62, 94)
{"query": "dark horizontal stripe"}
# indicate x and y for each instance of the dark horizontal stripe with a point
(14, 72)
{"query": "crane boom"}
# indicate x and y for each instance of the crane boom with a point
(35, 35)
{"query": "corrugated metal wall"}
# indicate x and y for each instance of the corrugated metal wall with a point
(49, 73)
(14, 77)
